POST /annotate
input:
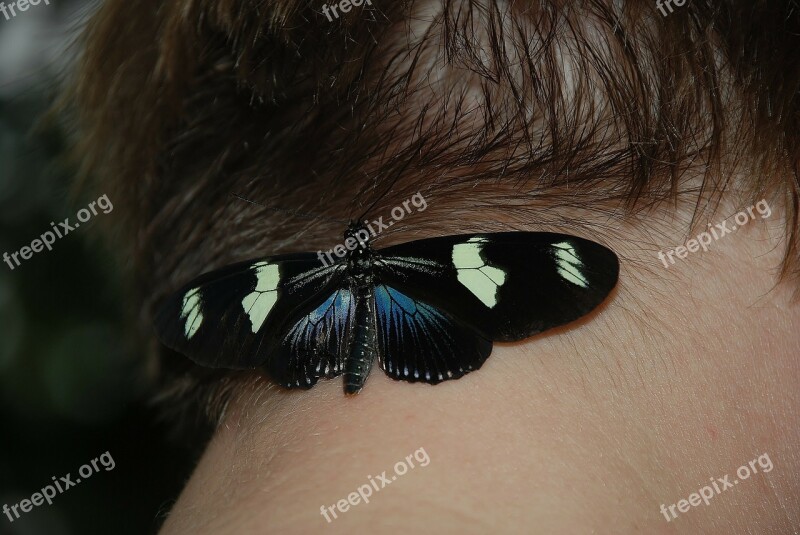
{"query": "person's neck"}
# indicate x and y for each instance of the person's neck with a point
(686, 374)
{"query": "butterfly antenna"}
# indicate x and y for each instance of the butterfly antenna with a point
(291, 212)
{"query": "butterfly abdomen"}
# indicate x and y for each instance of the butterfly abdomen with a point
(364, 346)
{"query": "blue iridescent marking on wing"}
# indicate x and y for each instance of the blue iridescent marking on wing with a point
(316, 345)
(418, 317)
(384, 295)
(336, 305)
(418, 342)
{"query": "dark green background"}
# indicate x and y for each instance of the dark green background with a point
(71, 384)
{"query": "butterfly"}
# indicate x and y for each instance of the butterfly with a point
(426, 310)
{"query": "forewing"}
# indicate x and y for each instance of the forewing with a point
(234, 317)
(316, 344)
(507, 285)
(419, 342)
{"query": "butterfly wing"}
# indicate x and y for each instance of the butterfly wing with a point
(317, 344)
(507, 286)
(235, 317)
(419, 342)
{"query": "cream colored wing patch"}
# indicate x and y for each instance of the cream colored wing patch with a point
(475, 274)
(191, 313)
(260, 301)
(569, 265)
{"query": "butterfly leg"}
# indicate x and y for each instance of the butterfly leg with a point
(364, 346)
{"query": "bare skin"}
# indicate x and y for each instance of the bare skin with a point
(686, 374)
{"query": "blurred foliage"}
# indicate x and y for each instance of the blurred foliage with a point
(71, 385)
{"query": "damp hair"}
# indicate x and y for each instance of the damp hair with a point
(175, 105)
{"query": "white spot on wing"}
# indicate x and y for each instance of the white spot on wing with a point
(569, 265)
(258, 304)
(191, 313)
(479, 278)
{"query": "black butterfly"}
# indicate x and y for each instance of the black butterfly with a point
(428, 310)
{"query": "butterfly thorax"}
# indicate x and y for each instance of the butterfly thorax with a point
(359, 260)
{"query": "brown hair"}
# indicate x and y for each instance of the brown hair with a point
(180, 103)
